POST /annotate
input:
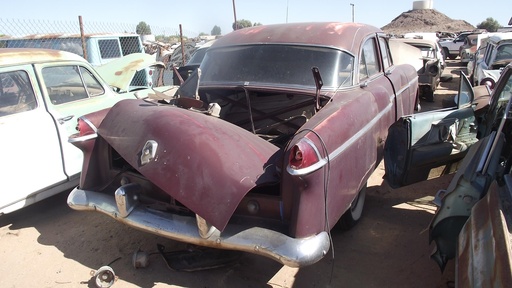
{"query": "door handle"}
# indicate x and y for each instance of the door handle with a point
(64, 119)
(364, 84)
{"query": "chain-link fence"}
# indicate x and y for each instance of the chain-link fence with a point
(101, 42)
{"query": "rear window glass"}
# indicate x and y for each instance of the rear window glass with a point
(277, 65)
(16, 94)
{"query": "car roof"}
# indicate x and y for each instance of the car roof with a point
(417, 41)
(347, 36)
(17, 56)
(497, 37)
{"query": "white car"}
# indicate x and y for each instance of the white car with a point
(498, 53)
(42, 94)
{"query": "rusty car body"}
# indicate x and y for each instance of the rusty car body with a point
(265, 155)
(473, 219)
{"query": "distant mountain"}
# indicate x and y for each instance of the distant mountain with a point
(425, 20)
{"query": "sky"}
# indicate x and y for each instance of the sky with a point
(200, 16)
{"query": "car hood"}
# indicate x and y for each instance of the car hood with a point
(205, 163)
(119, 72)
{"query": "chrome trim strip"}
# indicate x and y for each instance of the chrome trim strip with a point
(85, 137)
(82, 138)
(89, 123)
(269, 243)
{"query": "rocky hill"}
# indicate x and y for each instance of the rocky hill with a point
(425, 20)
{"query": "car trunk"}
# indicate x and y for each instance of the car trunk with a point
(210, 166)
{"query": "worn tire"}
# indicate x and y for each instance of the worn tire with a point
(352, 216)
(448, 102)
(428, 94)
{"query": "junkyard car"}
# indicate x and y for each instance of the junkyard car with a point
(498, 53)
(451, 47)
(429, 75)
(468, 48)
(472, 222)
(42, 93)
(266, 155)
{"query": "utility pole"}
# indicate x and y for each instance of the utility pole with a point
(234, 13)
(352, 11)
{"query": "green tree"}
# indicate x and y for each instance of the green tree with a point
(490, 24)
(216, 31)
(242, 24)
(143, 28)
(203, 34)
(257, 24)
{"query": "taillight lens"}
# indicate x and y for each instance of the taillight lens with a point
(84, 128)
(303, 155)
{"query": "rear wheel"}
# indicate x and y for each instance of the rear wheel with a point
(354, 213)
(429, 95)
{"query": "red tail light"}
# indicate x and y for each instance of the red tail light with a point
(84, 127)
(303, 155)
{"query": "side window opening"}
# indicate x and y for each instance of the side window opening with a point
(386, 58)
(92, 84)
(16, 93)
(369, 64)
(70, 83)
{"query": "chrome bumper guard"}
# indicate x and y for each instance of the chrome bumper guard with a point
(277, 246)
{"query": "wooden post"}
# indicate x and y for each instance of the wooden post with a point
(182, 48)
(82, 35)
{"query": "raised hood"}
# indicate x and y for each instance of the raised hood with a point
(204, 162)
(119, 72)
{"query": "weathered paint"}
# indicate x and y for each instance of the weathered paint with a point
(119, 72)
(484, 252)
(19, 56)
(228, 159)
(209, 165)
(345, 36)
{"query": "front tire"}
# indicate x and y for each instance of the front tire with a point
(352, 216)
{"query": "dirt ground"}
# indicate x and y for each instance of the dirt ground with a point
(50, 245)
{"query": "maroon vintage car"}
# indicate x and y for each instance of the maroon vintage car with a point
(266, 154)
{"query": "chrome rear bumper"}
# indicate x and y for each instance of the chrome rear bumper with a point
(124, 208)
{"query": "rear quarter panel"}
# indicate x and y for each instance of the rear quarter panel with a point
(348, 128)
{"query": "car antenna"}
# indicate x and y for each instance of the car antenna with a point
(319, 83)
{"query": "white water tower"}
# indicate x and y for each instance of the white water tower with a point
(421, 5)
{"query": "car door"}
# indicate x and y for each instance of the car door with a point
(70, 91)
(420, 142)
(373, 81)
(31, 153)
